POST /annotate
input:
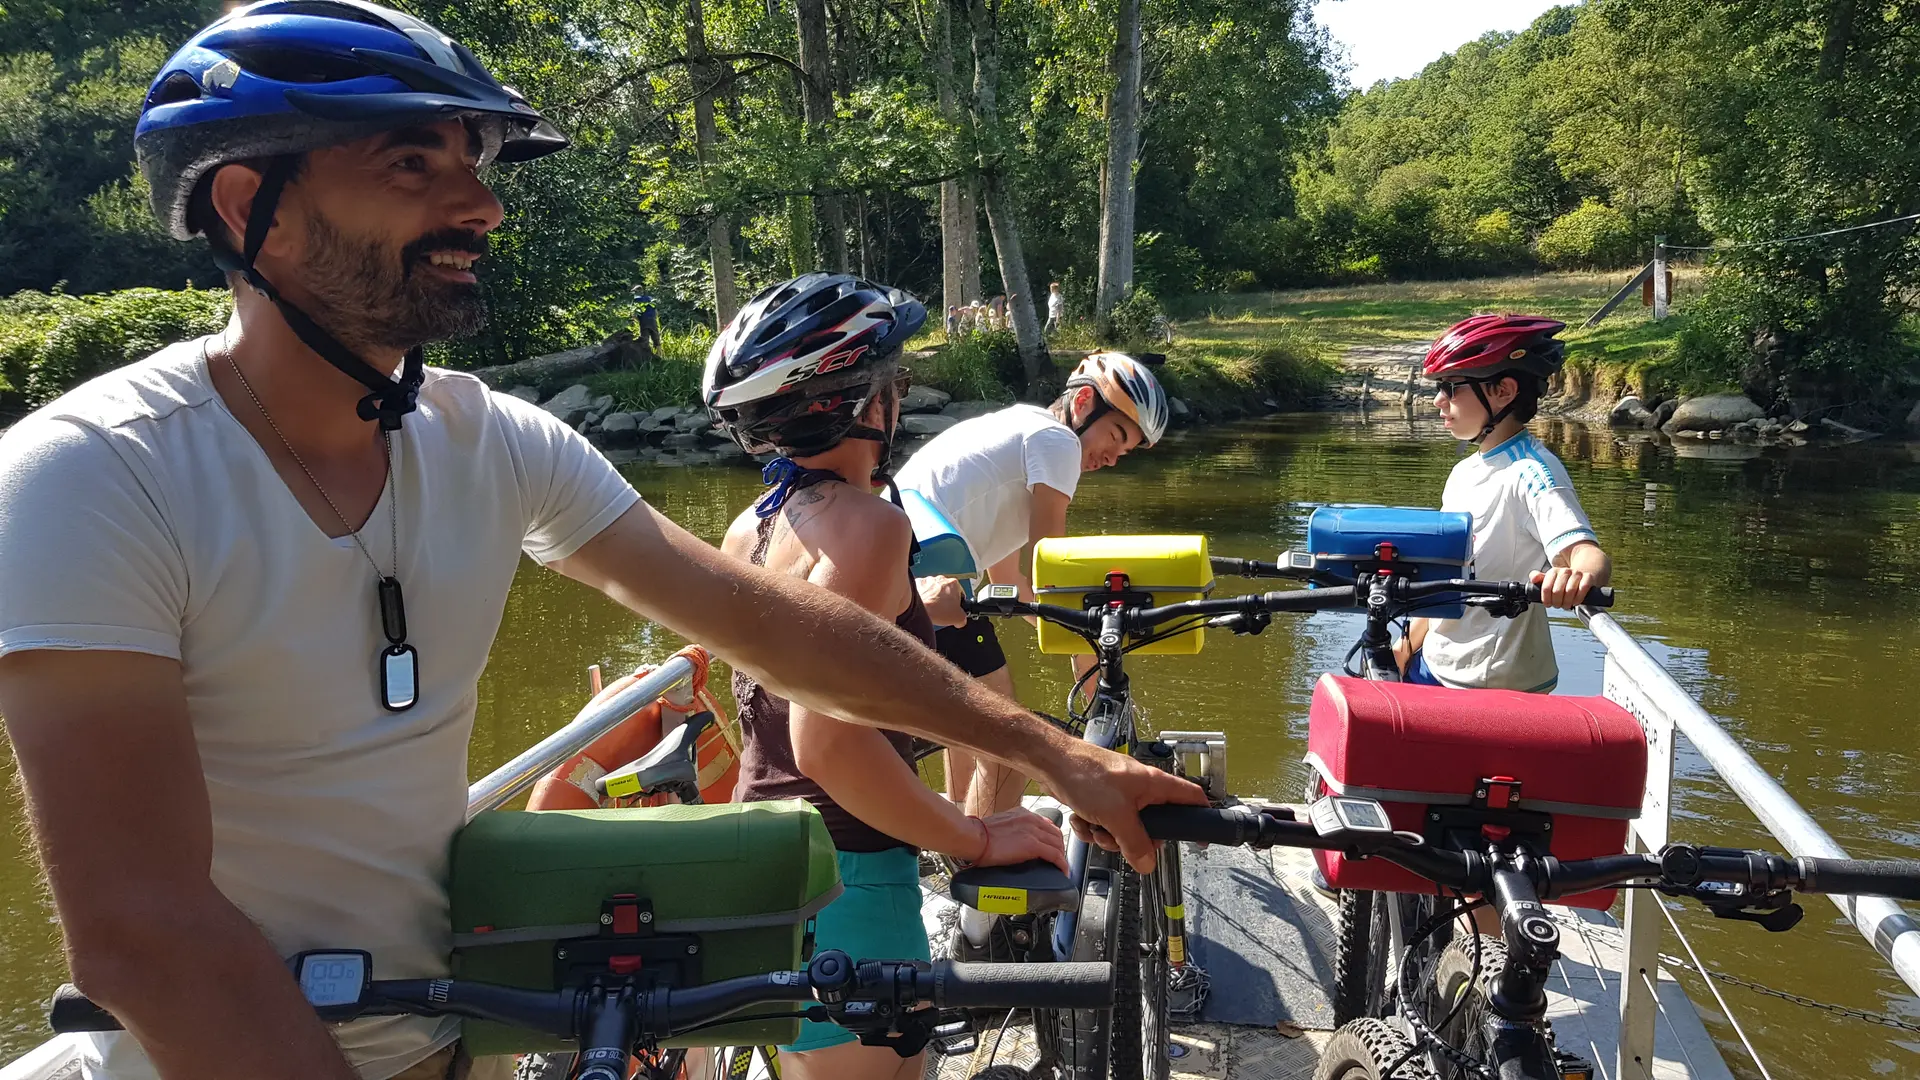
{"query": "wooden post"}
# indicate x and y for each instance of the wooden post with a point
(1406, 395)
(1661, 284)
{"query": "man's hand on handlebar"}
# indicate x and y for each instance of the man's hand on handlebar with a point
(1106, 790)
(1018, 835)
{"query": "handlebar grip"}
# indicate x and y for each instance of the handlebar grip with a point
(1023, 986)
(70, 1010)
(1600, 596)
(1231, 826)
(1896, 879)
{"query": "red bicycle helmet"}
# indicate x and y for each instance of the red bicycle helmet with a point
(1486, 348)
(1487, 345)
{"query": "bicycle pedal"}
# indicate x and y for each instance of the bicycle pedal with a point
(1571, 1066)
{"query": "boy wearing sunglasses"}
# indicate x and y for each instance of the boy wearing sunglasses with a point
(1490, 371)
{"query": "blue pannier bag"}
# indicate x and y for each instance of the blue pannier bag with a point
(1436, 544)
(943, 551)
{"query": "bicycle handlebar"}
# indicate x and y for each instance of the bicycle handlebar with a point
(832, 980)
(1675, 867)
(1108, 620)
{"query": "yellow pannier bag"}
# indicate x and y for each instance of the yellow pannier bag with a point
(1071, 571)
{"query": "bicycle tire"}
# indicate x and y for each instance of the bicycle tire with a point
(1453, 976)
(1144, 1058)
(1365, 1049)
(1126, 1053)
(1075, 1040)
(1360, 949)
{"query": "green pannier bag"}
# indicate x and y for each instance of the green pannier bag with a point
(678, 895)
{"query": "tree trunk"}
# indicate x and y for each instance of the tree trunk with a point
(959, 212)
(1123, 147)
(708, 76)
(997, 195)
(816, 59)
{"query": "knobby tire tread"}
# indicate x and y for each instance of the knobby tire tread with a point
(1354, 982)
(1365, 1049)
(1124, 1054)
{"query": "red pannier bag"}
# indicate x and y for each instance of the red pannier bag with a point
(1559, 774)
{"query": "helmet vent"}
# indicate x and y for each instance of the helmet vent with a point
(297, 65)
(178, 86)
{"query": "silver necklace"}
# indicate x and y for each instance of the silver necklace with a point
(399, 663)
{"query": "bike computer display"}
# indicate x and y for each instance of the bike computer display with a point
(334, 981)
(1000, 592)
(1338, 814)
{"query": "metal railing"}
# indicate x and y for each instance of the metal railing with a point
(1636, 681)
(503, 784)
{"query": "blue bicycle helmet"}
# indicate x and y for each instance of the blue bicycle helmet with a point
(276, 79)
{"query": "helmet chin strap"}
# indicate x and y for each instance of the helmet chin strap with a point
(1493, 418)
(389, 399)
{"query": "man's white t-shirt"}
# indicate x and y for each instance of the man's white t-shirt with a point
(979, 473)
(138, 515)
(1524, 513)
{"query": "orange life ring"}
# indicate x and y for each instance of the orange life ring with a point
(571, 785)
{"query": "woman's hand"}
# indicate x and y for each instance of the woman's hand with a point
(942, 596)
(1017, 836)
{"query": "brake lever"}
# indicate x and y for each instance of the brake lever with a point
(1773, 912)
(904, 1032)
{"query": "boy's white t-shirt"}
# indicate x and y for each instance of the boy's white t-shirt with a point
(136, 514)
(1056, 305)
(979, 473)
(1524, 513)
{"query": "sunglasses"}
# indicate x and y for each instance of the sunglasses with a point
(1450, 387)
(902, 383)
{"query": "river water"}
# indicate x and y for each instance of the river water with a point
(1782, 588)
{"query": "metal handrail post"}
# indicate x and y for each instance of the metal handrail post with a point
(1886, 926)
(501, 785)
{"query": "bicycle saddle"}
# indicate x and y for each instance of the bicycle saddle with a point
(1027, 888)
(669, 767)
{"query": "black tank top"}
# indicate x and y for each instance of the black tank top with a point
(767, 769)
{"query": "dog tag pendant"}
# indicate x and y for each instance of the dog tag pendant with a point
(399, 677)
(399, 664)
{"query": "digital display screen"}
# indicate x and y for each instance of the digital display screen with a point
(333, 979)
(1361, 814)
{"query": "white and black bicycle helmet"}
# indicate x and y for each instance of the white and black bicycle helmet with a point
(1124, 385)
(796, 368)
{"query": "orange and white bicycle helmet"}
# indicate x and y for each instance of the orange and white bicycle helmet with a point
(1124, 385)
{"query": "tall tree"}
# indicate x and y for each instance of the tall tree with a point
(959, 207)
(1123, 149)
(708, 76)
(996, 190)
(817, 60)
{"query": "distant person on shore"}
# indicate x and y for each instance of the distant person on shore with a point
(646, 311)
(953, 321)
(1056, 310)
(1490, 371)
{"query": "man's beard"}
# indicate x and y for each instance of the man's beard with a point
(369, 299)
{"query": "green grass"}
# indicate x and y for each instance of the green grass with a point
(1627, 344)
(671, 378)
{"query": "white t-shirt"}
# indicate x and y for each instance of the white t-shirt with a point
(1056, 305)
(979, 473)
(136, 514)
(1524, 513)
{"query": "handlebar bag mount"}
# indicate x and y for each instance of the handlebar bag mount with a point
(1575, 764)
(1172, 569)
(1437, 544)
(677, 895)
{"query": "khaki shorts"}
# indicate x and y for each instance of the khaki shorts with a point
(452, 1064)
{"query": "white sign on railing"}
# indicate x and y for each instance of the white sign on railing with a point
(1656, 801)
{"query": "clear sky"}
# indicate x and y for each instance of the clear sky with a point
(1391, 39)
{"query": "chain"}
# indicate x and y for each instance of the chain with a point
(1680, 964)
(387, 442)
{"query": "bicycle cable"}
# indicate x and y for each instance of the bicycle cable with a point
(1424, 1035)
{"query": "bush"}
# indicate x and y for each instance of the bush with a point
(1593, 237)
(50, 343)
(1496, 242)
(974, 368)
(672, 377)
(1164, 266)
(1290, 366)
(1131, 320)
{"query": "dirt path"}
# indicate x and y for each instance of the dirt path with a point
(1380, 372)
